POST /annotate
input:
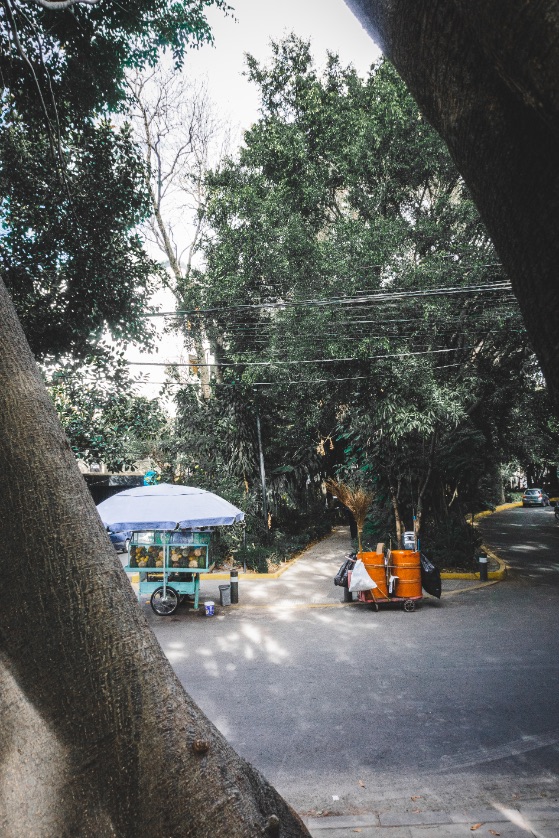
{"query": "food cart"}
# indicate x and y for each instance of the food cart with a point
(169, 564)
(170, 528)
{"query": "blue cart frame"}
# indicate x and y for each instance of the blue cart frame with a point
(164, 584)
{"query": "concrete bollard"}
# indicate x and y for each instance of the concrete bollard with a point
(482, 567)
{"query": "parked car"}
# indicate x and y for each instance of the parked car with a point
(535, 497)
(121, 540)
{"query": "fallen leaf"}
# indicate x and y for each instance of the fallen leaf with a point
(362, 784)
(492, 832)
(476, 826)
(416, 797)
(416, 811)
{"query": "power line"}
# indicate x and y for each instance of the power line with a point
(290, 363)
(503, 285)
(283, 383)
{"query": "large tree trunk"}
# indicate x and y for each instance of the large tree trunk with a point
(98, 736)
(485, 75)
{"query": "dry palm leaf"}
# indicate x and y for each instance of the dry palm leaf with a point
(358, 501)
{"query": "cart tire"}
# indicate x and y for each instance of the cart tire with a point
(164, 607)
(409, 605)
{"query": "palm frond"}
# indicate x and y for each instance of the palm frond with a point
(357, 500)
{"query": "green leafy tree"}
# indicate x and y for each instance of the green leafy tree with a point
(72, 185)
(105, 419)
(346, 252)
(69, 252)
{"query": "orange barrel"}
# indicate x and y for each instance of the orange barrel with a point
(406, 565)
(375, 567)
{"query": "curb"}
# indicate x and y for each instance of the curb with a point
(275, 575)
(500, 508)
(242, 575)
(494, 575)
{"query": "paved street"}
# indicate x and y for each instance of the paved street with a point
(391, 723)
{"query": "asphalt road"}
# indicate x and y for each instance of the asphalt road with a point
(347, 711)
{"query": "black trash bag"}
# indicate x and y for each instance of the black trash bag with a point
(430, 577)
(340, 578)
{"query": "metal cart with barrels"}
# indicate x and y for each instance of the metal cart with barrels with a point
(169, 565)
(397, 576)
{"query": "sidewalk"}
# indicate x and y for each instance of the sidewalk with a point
(309, 580)
(517, 819)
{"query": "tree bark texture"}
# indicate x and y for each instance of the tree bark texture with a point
(98, 735)
(485, 75)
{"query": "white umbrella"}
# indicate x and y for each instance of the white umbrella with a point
(166, 507)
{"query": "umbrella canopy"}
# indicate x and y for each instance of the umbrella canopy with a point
(166, 507)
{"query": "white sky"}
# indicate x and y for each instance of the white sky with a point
(328, 24)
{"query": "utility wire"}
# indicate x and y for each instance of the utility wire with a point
(289, 363)
(342, 301)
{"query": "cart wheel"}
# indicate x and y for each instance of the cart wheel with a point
(409, 605)
(164, 606)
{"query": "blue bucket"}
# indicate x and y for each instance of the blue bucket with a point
(210, 608)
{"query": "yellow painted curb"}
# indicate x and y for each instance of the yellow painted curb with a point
(249, 576)
(275, 575)
(500, 508)
(494, 575)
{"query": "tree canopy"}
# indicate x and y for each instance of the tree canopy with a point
(73, 185)
(358, 300)
(485, 76)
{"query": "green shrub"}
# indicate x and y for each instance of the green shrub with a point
(452, 543)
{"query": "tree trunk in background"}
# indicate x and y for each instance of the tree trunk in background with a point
(485, 75)
(397, 517)
(97, 732)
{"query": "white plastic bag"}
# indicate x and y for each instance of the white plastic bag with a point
(360, 579)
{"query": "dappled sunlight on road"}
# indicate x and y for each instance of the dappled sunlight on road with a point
(349, 700)
(527, 548)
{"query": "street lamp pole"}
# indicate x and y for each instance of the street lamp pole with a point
(262, 471)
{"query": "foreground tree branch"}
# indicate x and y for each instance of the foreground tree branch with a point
(485, 75)
(99, 737)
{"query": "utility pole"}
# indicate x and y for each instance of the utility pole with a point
(262, 471)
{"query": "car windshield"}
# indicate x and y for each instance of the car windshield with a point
(532, 492)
